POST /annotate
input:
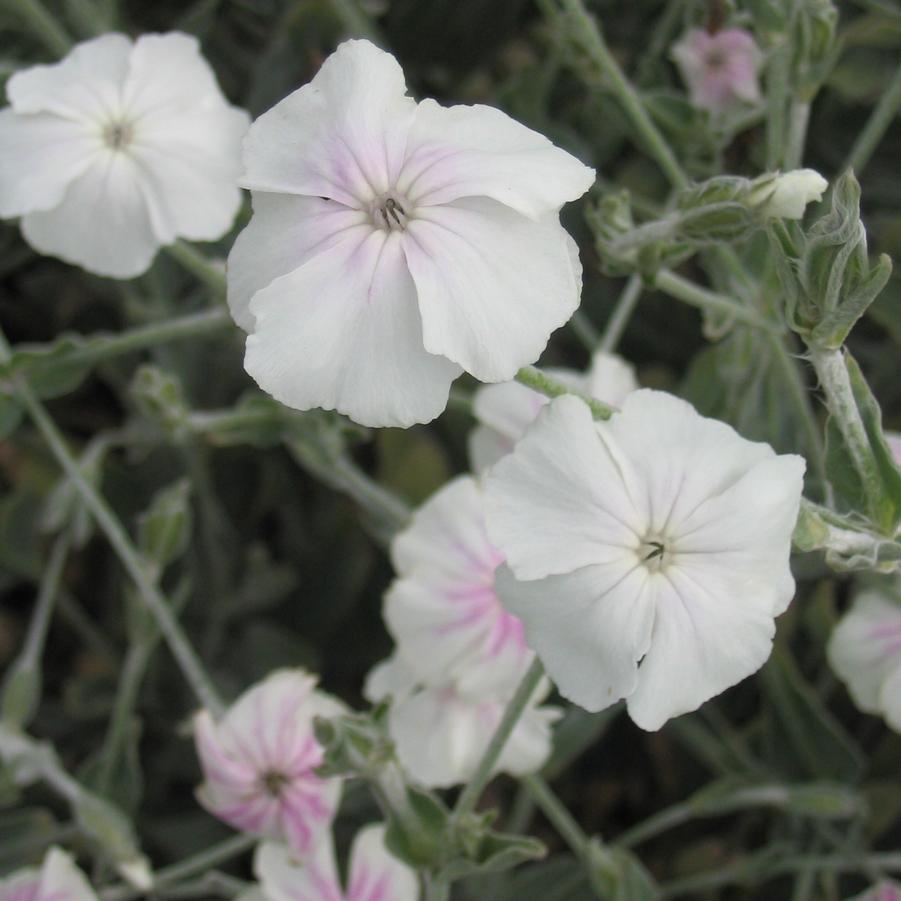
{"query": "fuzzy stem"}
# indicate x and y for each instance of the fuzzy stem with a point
(798, 119)
(117, 536)
(538, 381)
(472, 791)
(882, 116)
(198, 265)
(558, 815)
(622, 312)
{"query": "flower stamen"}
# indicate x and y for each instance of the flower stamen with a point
(389, 214)
(118, 135)
(273, 782)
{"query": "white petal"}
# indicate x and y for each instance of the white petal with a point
(40, 155)
(375, 874)
(61, 879)
(890, 699)
(286, 876)
(102, 223)
(440, 736)
(865, 648)
(559, 502)
(610, 378)
(85, 86)
(486, 446)
(343, 332)
(704, 641)
(479, 151)
(392, 677)
(681, 457)
(341, 136)
(492, 284)
(589, 627)
(285, 231)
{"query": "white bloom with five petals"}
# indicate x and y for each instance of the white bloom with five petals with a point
(505, 411)
(119, 149)
(373, 874)
(865, 652)
(258, 761)
(395, 244)
(647, 556)
(57, 879)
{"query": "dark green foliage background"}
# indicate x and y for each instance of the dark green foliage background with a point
(283, 571)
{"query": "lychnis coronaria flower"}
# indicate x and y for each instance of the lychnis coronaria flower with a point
(119, 149)
(719, 69)
(648, 555)
(258, 761)
(57, 879)
(395, 244)
(505, 411)
(865, 652)
(373, 874)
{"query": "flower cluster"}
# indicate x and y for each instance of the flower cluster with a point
(459, 655)
(119, 149)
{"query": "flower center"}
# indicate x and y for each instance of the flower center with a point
(716, 59)
(273, 782)
(391, 212)
(118, 135)
(654, 554)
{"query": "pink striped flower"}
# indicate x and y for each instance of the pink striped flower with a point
(374, 875)
(884, 891)
(258, 762)
(58, 879)
(865, 652)
(720, 70)
(442, 612)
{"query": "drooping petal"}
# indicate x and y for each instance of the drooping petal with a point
(40, 156)
(102, 223)
(564, 476)
(704, 641)
(286, 876)
(479, 151)
(343, 332)
(285, 231)
(375, 874)
(440, 735)
(589, 627)
(341, 136)
(865, 648)
(492, 284)
(85, 86)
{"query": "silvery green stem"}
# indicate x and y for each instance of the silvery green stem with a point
(558, 815)
(882, 116)
(619, 318)
(836, 384)
(181, 648)
(778, 75)
(484, 770)
(204, 269)
(798, 119)
(538, 381)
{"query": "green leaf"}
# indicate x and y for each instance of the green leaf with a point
(618, 875)
(51, 370)
(164, 529)
(495, 852)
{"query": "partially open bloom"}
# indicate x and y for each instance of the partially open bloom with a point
(865, 652)
(57, 879)
(658, 537)
(442, 611)
(719, 69)
(505, 411)
(373, 874)
(119, 149)
(395, 244)
(258, 761)
(787, 195)
(441, 732)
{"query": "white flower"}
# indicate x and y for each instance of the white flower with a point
(259, 760)
(395, 244)
(58, 879)
(441, 733)
(118, 149)
(865, 652)
(786, 196)
(505, 411)
(658, 537)
(373, 875)
(442, 611)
